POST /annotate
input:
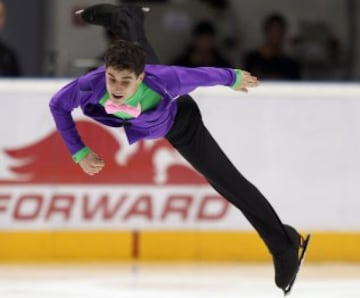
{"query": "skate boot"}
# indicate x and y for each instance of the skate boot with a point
(287, 263)
(120, 20)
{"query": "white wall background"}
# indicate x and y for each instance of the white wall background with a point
(299, 144)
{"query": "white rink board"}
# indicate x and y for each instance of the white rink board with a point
(298, 143)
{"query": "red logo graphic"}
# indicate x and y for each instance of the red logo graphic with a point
(49, 162)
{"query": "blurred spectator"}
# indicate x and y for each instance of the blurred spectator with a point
(225, 17)
(270, 61)
(203, 50)
(319, 51)
(9, 66)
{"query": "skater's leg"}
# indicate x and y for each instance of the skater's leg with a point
(133, 18)
(193, 141)
(125, 22)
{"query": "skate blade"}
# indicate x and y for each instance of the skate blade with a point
(80, 11)
(301, 260)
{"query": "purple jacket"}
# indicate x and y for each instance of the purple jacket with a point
(169, 81)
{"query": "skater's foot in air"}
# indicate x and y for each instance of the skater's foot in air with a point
(120, 20)
(287, 263)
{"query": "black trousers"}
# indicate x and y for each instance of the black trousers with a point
(192, 140)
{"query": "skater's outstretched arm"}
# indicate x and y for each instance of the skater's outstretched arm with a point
(183, 80)
(246, 80)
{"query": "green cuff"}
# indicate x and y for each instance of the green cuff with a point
(81, 154)
(238, 78)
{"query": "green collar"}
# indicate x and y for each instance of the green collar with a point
(146, 97)
(133, 100)
(136, 98)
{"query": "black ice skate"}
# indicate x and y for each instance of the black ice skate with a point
(288, 263)
(120, 20)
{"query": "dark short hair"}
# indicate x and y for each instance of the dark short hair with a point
(274, 18)
(125, 55)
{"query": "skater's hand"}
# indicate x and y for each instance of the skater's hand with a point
(247, 81)
(92, 164)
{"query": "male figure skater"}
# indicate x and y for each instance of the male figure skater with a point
(150, 102)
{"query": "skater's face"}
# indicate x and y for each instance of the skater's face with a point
(122, 84)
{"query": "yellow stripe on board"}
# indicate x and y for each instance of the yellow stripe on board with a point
(222, 246)
(66, 246)
(164, 246)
